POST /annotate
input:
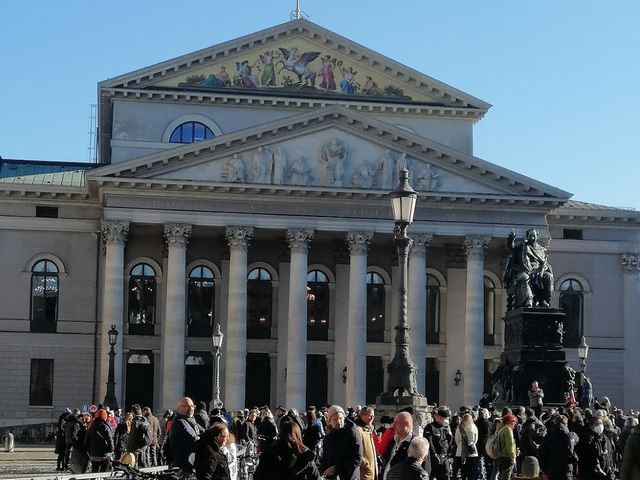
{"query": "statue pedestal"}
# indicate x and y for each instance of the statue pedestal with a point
(533, 352)
(387, 404)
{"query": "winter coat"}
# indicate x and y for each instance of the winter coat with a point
(120, 440)
(408, 469)
(61, 443)
(369, 465)
(507, 441)
(79, 459)
(201, 418)
(342, 448)
(531, 435)
(138, 422)
(313, 434)
(210, 463)
(183, 435)
(556, 452)
(154, 425)
(245, 431)
(630, 469)
(267, 432)
(99, 439)
(283, 462)
(593, 456)
(462, 449)
(440, 441)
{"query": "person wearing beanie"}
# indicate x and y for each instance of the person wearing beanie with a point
(99, 442)
(342, 447)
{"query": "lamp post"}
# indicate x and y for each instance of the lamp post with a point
(583, 353)
(402, 387)
(110, 399)
(216, 340)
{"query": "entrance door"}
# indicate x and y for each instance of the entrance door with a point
(375, 379)
(258, 380)
(316, 381)
(139, 387)
(198, 377)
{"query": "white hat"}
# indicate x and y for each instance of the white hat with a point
(335, 409)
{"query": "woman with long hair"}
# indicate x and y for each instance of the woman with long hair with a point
(466, 456)
(120, 436)
(288, 458)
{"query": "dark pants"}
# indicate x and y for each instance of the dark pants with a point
(67, 456)
(100, 465)
(152, 456)
(505, 467)
(439, 471)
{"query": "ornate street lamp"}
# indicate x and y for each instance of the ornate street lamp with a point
(110, 399)
(216, 340)
(583, 353)
(402, 387)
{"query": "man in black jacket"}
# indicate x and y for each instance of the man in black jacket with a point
(440, 440)
(99, 442)
(183, 434)
(410, 468)
(556, 452)
(210, 463)
(342, 448)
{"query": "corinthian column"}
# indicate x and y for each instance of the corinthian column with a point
(630, 263)
(417, 305)
(114, 238)
(296, 389)
(235, 344)
(473, 375)
(173, 328)
(357, 318)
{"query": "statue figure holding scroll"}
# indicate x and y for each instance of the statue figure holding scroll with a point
(528, 276)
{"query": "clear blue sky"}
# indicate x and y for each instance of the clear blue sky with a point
(563, 75)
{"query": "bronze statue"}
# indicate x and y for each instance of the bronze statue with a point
(528, 276)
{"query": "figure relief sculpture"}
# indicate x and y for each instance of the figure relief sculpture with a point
(234, 170)
(427, 179)
(363, 176)
(279, 166)
(528, 275)
(384, 170)
(300, 173)
(262, 165)
(333, 156)
(402, 163)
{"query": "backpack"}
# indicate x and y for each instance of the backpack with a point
(492, 446)
(140, 435)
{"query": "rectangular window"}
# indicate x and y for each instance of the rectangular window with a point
(41, 383)
(46, 212)
(572, 233)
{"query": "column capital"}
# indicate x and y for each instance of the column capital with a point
(114, 233)
(630, 262)
(420, 244)
(476, 247)
(239, 237)
(358, 242)
(177, 234)
(299, 239)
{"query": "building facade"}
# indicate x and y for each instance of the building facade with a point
(246, 184)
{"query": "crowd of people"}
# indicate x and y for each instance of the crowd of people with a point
(329, 442)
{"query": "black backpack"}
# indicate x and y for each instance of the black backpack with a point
(140, 435)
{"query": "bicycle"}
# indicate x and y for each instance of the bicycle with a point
(132, 473)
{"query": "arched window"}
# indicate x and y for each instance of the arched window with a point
(375, 307)
(317, 305)
(259, 303)
(44, 297)
(433, 309)
(572, 302)
(489, 311)
(190, 132)
(200, 302)
(142, 299)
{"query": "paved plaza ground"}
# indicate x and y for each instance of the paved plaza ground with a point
(28, 461)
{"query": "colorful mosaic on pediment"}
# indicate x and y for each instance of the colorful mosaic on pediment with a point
(297, 65)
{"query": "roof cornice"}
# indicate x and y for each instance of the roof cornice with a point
(219, 98)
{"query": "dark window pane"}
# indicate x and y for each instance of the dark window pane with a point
(142, 300)
(317, 310)
(375, 312)
(187, 132)
(198, 132)
(43, 211)
(572, 304)
(200, 305)
(259, 303)
(433, 310)
(44, 299)
(208, 134)
(41, 383)
(489, 312)
(175, 136)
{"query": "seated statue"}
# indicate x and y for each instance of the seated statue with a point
(528, 276)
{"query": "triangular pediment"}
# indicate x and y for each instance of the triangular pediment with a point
(330, 149)
(293, 59)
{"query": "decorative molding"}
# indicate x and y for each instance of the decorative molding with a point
(340, 252)
(239, 237)
(299, 239)
(114, 233)
(456, 257)
(421, 243)
(476, 247)
(359, 242)
(630, 262)
(177, 234)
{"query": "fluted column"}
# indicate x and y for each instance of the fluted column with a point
(235, 342)
(114, 239)
(296, 390)
(473, 374)
(173, 328)
(417, 304)
(630, 263)
(357, 318)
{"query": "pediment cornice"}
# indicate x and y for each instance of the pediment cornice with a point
(355, 123)
(431, 87)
